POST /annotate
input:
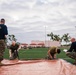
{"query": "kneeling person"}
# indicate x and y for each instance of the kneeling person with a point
(13, 50)
(72, 50)
(52, 52)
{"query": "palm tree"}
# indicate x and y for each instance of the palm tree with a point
(12, 37)
(51, 35)
(56, 38)
(66, 37)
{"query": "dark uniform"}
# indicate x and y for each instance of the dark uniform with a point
(3, 32)
(14, 51)
(72, 51)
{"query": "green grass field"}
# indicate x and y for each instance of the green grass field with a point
(37, 53)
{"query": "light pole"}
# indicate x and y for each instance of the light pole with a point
(45, 34)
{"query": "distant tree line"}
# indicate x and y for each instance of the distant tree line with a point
(54, 37)
(65, 37)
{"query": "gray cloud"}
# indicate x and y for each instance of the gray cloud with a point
(29, 19)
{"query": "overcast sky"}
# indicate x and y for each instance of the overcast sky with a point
(33, 19)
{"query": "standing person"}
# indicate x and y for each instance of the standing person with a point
(52, 52)
(72, 51)
(13, 50)
(3, 34)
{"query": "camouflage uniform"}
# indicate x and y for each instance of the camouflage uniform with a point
(72, 51)
(3, 33)
(52, 52)
(2, 49)
(71, 55)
